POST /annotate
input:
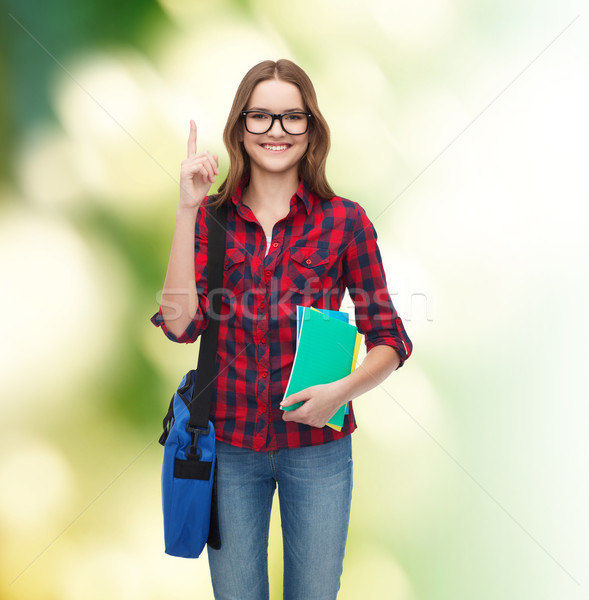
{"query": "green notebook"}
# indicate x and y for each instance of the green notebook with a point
(327, 350)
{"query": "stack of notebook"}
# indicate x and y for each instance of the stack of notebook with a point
(327, 350)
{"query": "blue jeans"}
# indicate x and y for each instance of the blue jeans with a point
(315, 493)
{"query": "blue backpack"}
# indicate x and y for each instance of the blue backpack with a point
(188, 471)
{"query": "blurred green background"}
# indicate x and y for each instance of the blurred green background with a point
(460, 126)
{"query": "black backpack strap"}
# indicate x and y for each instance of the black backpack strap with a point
(200, 405)
(167, 422)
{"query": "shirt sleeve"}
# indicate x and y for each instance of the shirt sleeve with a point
(201, 317)
(365, 279)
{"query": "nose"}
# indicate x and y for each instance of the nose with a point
(276, 129)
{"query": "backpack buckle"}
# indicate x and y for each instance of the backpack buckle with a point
(193, 451)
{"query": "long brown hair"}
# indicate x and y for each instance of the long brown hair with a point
(312, 164)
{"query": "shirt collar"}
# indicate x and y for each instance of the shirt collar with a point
(303, 194)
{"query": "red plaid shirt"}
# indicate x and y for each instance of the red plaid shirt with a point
(317, 251)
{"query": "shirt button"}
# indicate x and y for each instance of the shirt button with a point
(275, 244)
(264, 375)
(308, 261)
(267, 273)
(263, 340)
(262, 306)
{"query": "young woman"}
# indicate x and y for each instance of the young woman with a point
(290, 241)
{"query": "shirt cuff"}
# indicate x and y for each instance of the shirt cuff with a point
(189, 335)
(389, 340)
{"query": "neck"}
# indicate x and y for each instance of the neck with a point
(271, 191)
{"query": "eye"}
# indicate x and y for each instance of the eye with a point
(294, 116)
(258, 116)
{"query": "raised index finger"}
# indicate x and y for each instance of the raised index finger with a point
(192, 139)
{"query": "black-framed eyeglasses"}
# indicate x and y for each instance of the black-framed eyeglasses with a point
(260, 121)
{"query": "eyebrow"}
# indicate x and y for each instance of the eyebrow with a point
(269, 111)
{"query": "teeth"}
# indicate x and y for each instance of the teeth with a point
(277, 148)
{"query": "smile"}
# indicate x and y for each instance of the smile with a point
(275, 147)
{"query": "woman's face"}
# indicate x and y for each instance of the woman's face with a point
(275, 151)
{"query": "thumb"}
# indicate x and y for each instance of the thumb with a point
(293, 399)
